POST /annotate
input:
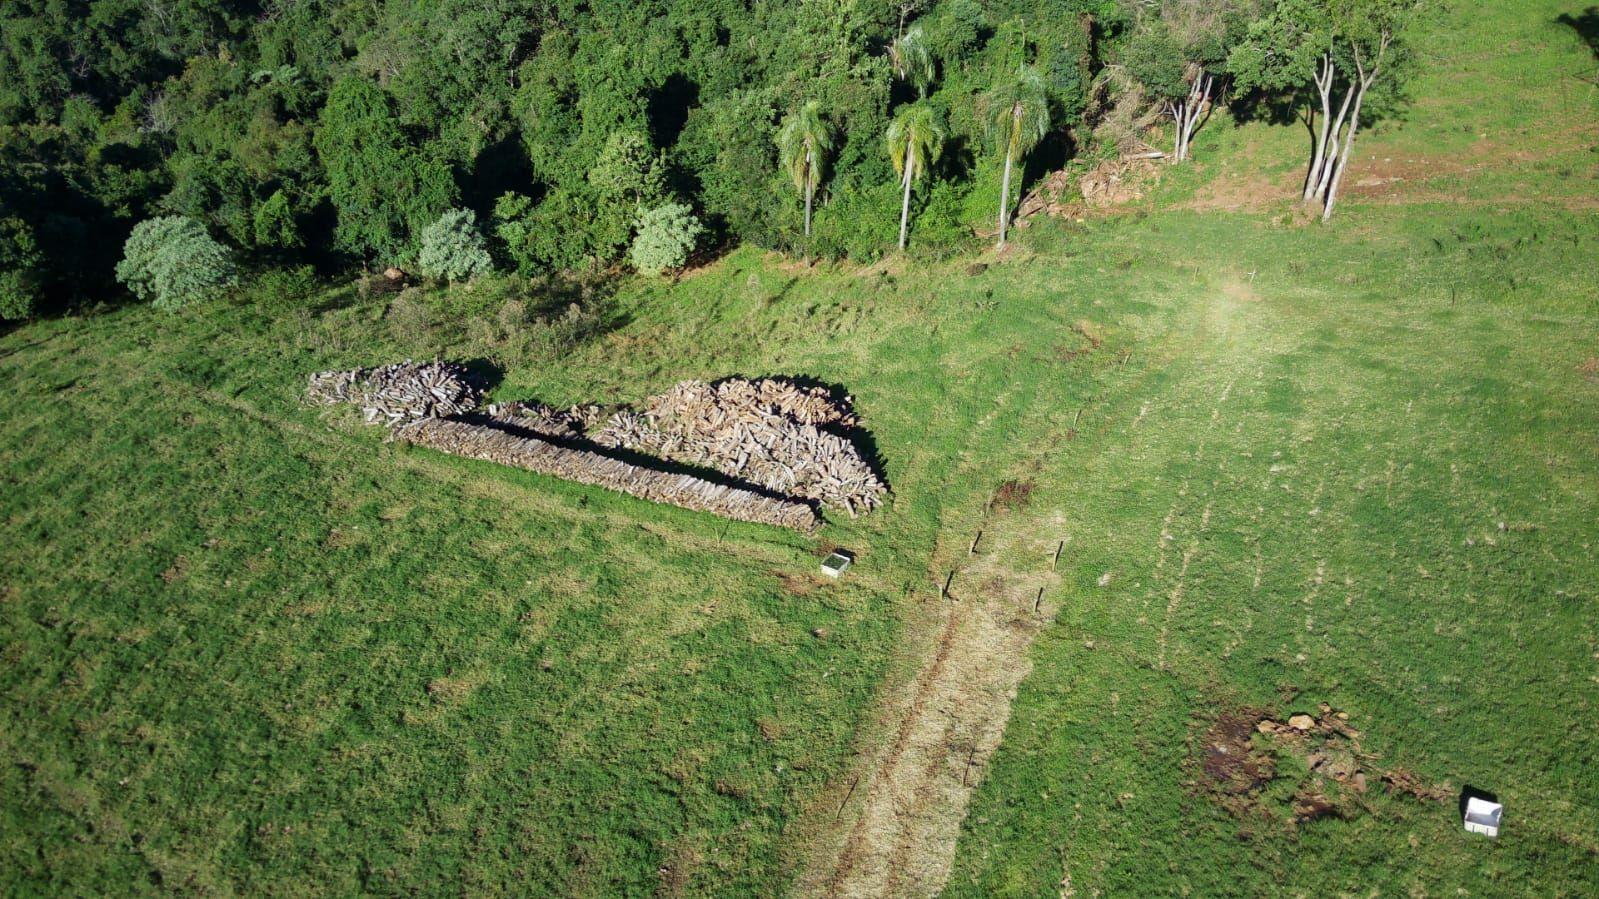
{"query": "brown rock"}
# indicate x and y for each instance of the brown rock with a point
(1301, 722)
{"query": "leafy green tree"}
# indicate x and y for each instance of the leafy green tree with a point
(383, 188)
(20, 262)
(629, 171)
(511, 225)
(1323, 48)
(171, 261)
(804, 142)
(275, 226)
(915, 141)
(1178, 52)
(666, 237)
(1018, 118)
(453, 249)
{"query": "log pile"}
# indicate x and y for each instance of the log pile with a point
(785, 442)
(503, 439)
(390, 394)
(767, 432)
(565, 424)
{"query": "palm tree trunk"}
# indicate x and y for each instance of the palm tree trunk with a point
(810, 191)
(905, 207)
(1004, 204)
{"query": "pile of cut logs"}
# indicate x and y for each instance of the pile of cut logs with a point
(776, 437)
(390, 394)
(764, 432)
(504, 439)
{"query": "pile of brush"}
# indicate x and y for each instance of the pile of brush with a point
(390, 394)
(781, 446)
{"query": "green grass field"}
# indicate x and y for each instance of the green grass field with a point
(250, 648)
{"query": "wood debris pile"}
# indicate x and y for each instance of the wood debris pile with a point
(1116, 181)
(767, 432)
(566, 424)
(504, 439)
(405, 390)
(1110, 183)
(782, 446)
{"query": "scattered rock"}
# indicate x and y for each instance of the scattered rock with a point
(820, 633)
(1301, 722)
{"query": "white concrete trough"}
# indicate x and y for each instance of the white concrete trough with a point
(1483, 816)
(837, 563)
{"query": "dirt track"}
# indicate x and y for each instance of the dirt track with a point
(896, 835)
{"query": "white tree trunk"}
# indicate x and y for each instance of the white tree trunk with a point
(1366, 80)
(1187, 115)
(1324, 81)
(1177, 131)
(1330, 161)
(905, 206)
(1004, 198)
(1343, 161)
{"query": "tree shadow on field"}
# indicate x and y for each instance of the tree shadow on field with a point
(1586, 25)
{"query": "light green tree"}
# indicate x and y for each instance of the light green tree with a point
(171, 261)
(1017, 110)
(804, 144)
(913, 60)
(915, 141)
(667, 235)
(453, 249)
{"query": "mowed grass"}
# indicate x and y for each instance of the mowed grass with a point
(249, 646)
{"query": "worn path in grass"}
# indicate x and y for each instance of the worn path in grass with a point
(900, 815)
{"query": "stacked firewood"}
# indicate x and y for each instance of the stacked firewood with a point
(547, 420)
(390, 394)
(764, 432)
(505, 439)
(774, 436)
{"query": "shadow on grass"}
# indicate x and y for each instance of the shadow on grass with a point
(1586, 25)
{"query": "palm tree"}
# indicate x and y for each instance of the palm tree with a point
(915, 141)
(803, 143)
(1018, 118)
(912, 60)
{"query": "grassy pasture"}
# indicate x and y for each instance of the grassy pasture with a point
(250, 645)
(252, 648)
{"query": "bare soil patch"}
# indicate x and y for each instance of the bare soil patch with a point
(1275, 774)
(1013, 494)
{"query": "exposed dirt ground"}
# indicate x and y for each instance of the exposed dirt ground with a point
(898, 826)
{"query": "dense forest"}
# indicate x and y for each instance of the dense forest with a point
(541, 136)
